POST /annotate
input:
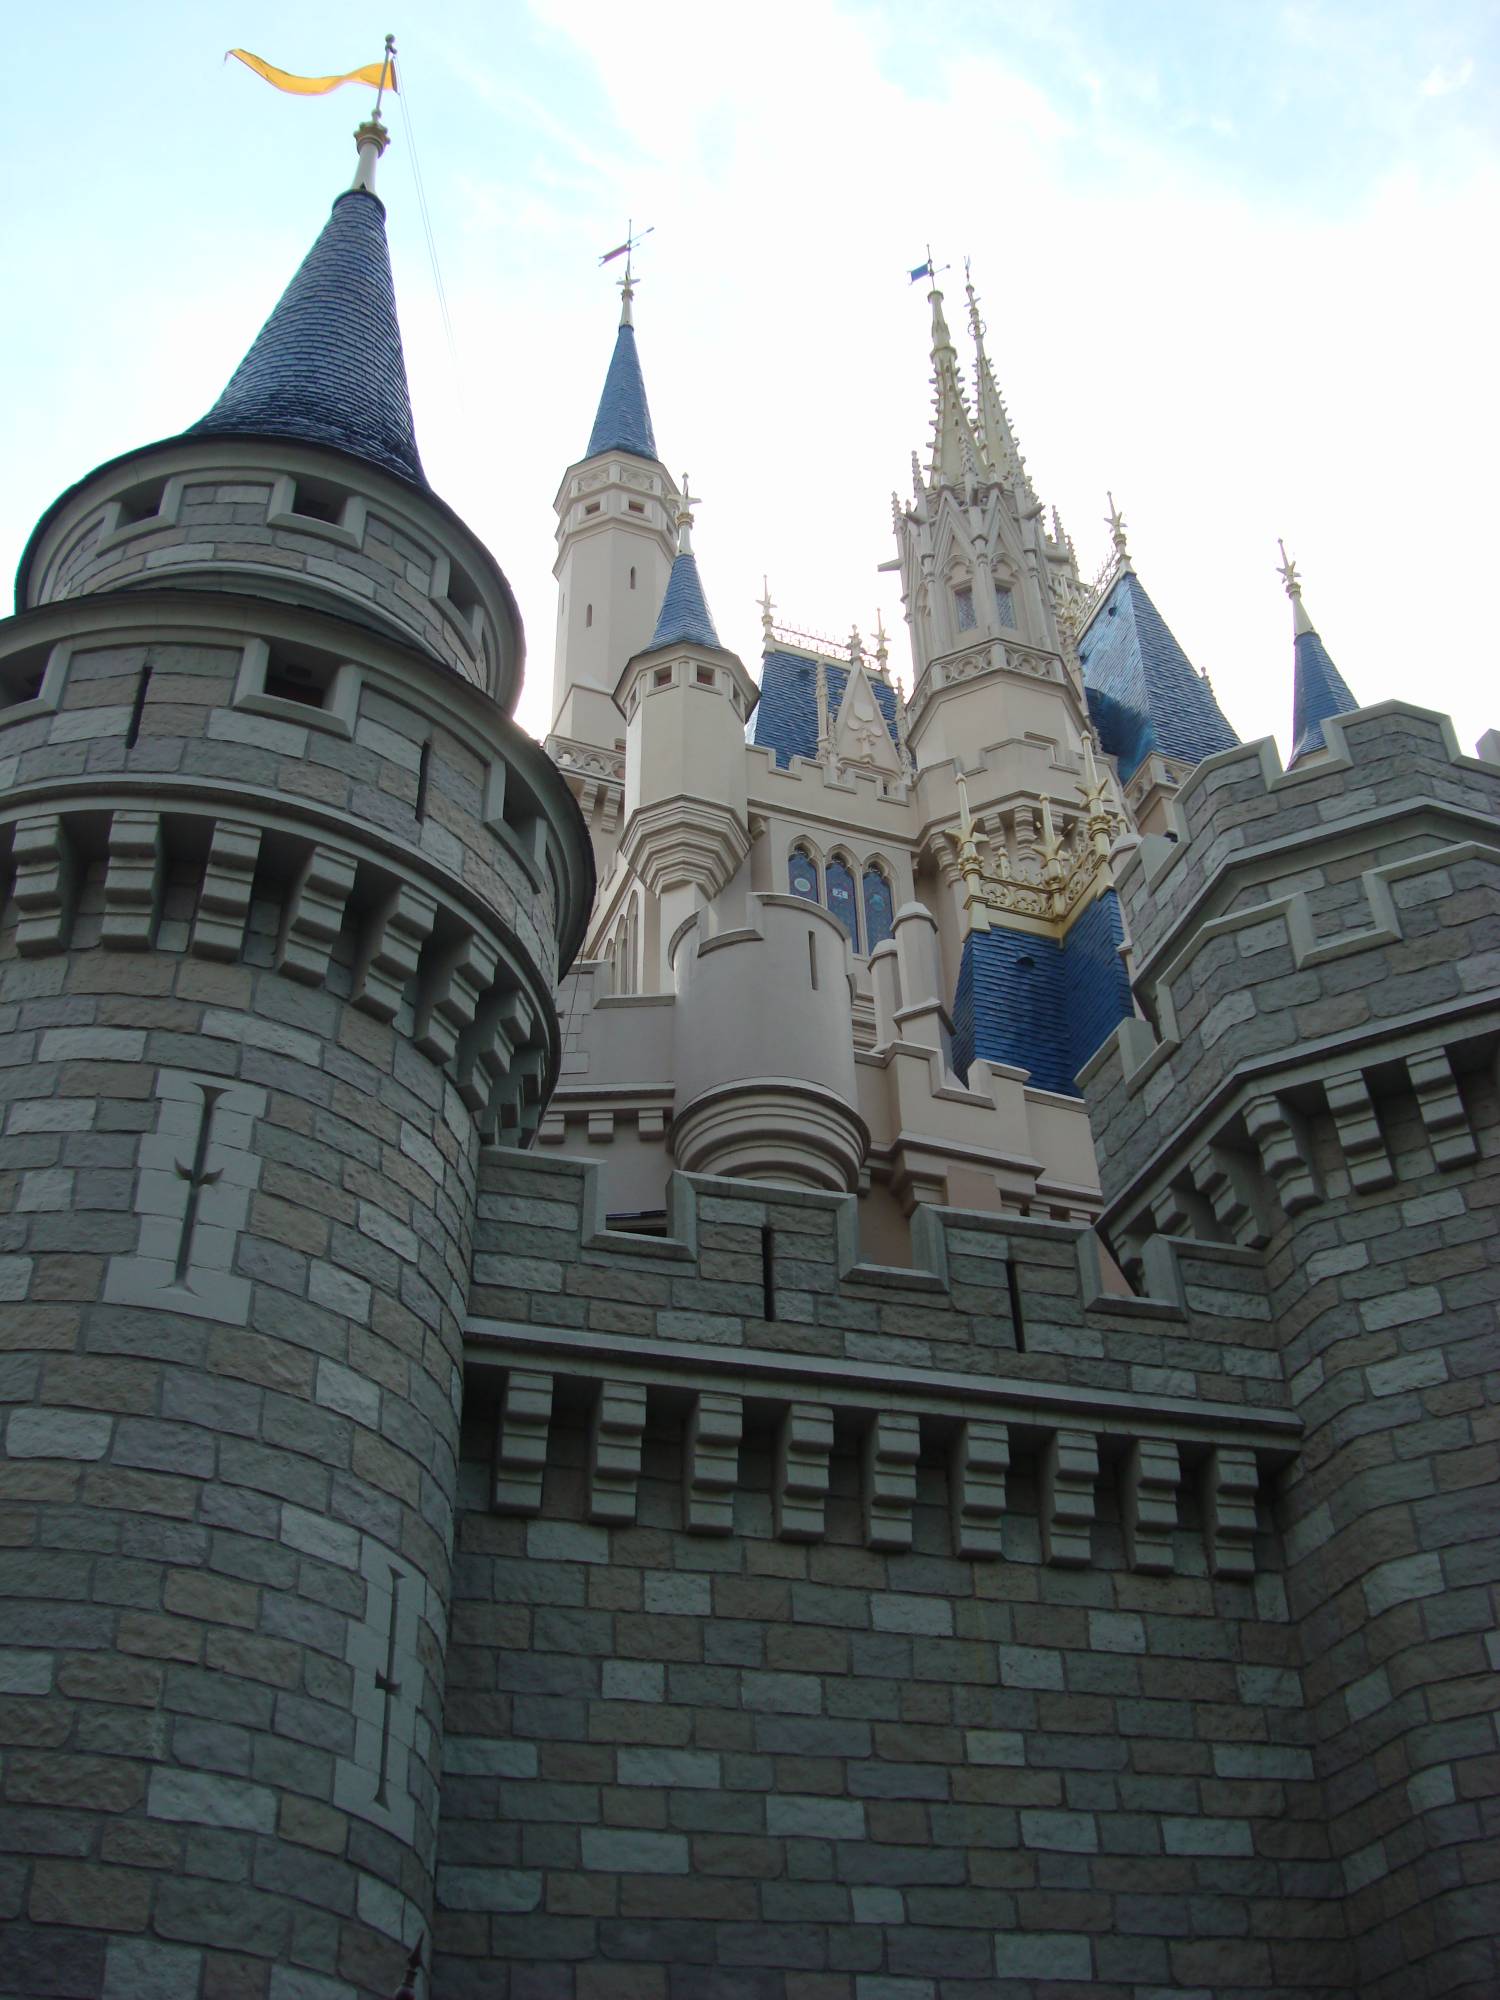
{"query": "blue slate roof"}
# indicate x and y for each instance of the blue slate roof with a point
(327, 366)
(624, 420)
(1318, 691)
(1144, 692)
(786, 719)
(1042, 1004)
(684, 617)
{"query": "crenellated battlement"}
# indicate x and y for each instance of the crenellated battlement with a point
(192, 773)
(1317, 936)
(284, 522)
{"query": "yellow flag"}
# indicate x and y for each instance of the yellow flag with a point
(315, 86)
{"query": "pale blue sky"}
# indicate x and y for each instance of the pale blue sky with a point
(1236, 261)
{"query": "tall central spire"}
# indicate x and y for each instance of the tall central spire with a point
(328, 366)
(955, 451)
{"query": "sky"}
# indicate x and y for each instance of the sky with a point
(1236, 260)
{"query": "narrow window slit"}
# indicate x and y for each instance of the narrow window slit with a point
(137, 707)
(812, 957)
(768, 1269)
(424, 768)
(1015, 1304)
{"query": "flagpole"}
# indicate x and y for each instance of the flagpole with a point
(385, 70)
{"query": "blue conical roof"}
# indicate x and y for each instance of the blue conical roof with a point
(685, 618)
(327, 366)
(1144, 692)
(1319, 690)
(624, 420)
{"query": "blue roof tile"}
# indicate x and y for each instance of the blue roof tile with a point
(684, 617)
(1319, 691)
(786, 717)
(1038, 1003)
(1144, 692)
(327, 366)
(624, 420)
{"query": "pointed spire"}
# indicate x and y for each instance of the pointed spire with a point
(1114, 520)
(684, 618)
(953, 444)
(623, 421)
(997, 440)
(327, 367)
(1319, 690)
(767, 622)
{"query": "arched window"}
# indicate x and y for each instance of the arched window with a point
(880, 908)
(803, 874)
(841, 898)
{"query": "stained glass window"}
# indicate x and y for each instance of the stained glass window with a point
(880, 908)
(963, 606)
(841, 899)
(804, 875)
(1007, 606)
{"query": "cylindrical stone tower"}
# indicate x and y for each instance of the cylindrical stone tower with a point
(286, 899)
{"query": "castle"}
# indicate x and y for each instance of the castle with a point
(808, 1345)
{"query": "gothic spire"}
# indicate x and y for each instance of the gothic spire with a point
(1002, 455)
(954, 449)
(327, 367)
(623, 422)
(685, 618)
(1319, 690)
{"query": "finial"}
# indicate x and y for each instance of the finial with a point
(372, 139)
(916, 476)
(766, 608)
(1292, 583)
(882, 641)
(685, 519)
(1115, 521)
(856, 646)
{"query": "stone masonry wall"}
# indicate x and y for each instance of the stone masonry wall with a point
(884, 1646)
(1316, 1079)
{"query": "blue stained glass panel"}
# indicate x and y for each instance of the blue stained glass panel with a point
(880, 908)
(841, 899)
(803, 874)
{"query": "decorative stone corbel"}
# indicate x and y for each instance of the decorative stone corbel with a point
(1442, 1109)
(397, 932)
(1274, 1134)
(891, 1448)
(315, 916)
(1360, 1136)
(802, 1450)
(224, 899)
(615, 1433)
(711, 1462)
(1148, 1503)
(976, 1472)
(1070, 1470)
(1229, 1485)
(521, 1442)
(132, 881)
(42, 856)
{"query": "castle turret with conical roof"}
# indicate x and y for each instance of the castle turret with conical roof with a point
(616, 544)
(1319, 690)
(264, 805)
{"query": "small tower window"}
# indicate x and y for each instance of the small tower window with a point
(588, 614)
(592, 507)
(704, 676)
(803, 874)
(1006, 606)
(636, 507)
(963, 609)
(841, 897)
(632, 576)
(880, 908)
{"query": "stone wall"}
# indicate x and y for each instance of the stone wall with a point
(900, 1634)
(1319, 965)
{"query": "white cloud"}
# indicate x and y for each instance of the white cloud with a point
(1442, 81)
